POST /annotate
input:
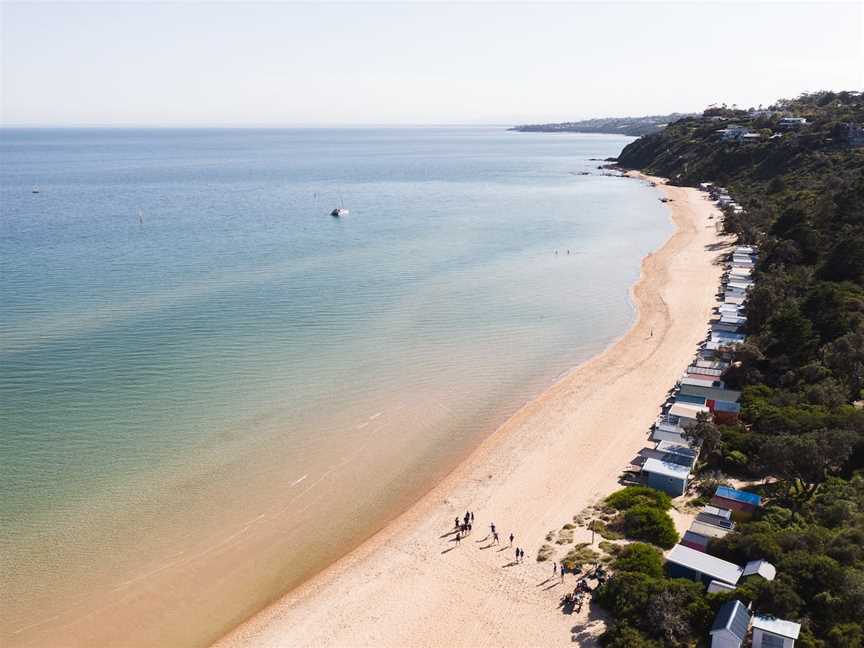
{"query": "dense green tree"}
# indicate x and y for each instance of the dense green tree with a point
(650, 525)
(640, 557)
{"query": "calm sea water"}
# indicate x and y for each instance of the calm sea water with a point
(210, 388)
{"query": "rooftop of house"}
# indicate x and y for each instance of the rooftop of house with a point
(776, 626)
(703, 563)
(734, 617)
(737, 495)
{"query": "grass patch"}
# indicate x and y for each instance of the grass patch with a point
(610, 547)
(565, 536)
(613, 530)
(580, 555)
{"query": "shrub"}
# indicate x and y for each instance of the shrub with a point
(651, 525)
(579, 555)
(627, 498)
(621, 635)
(640, 557)
(545, 553)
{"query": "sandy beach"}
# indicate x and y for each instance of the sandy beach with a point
(410, 585)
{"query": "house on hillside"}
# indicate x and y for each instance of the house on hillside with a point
(771, 632)
(730, 625)
(791, 123)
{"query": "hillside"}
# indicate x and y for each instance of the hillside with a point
(634, 126)
(797, 169)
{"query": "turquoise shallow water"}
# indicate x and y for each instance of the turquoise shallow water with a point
(240, 387)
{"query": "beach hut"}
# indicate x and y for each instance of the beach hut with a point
(716, 586)
(741, 503)
(687, 412)
(771, 632)
(730, 625)
(684, 562)
(725, 412)
(716, 516)
(710, 530)
(695, 541)
(667, 430)
(761, 568)
(666, 475)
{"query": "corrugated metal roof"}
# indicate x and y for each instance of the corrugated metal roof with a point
(734, 617)
(777, 626)
(761, 567)
(666, 468)
(716, 510)
(739, 496)
(704, 564)
(686, 410)
(710, 530)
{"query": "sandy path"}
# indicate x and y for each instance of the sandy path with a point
(408, 586)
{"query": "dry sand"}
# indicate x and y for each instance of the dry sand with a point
(409, 586)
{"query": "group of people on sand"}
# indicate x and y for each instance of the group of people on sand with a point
(464, 525)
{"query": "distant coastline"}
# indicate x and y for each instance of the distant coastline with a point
(633, 126)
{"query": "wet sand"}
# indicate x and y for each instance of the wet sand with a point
(411, 585)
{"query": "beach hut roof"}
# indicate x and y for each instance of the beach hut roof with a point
(704, 564)
(777, 626)
(719, 586)
(761, 567)
(711, 530)
(702, 382)
(666, 468)
(726, 406)
(716, 510)
(687, 410)
(738, 496)
(671, 447)
(734, 617)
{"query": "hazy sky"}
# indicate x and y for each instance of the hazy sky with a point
(412, 63)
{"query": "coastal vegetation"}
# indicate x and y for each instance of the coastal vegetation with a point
(634, 126)
(797, 169)
(642, 515)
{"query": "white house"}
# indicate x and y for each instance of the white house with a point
(730, 625)
(771, 632)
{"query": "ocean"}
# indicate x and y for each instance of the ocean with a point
(211, 388)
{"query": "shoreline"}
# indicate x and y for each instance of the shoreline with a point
(409, 585)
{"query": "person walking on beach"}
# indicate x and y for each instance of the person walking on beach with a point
(492, 528)
(456, 523)
(554, 568)
(511, 540)
(562, 572)
(494, 537)
(458, 537)
(517, 554)
(472, 517)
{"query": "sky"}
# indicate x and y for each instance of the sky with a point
(291, 64)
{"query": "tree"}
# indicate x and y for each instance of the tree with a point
(650, 525)
(704, 433)
(809, 457)
(639, 495)
(664, 614)
(640, 557)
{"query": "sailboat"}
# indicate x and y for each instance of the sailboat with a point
(35, 189)
(339, 211)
